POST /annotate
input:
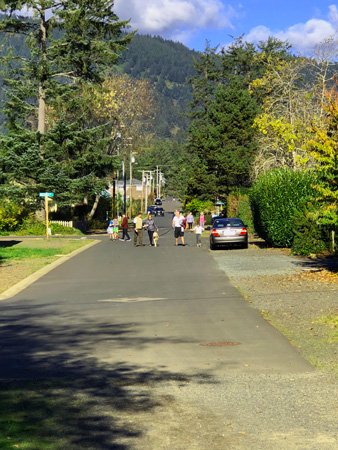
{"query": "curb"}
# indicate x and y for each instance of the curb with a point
(23, 284)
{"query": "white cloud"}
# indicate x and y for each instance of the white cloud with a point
(333, 14)
(175, 17)
(304, 37)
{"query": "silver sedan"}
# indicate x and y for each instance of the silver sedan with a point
(228, 231)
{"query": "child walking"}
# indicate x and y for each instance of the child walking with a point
(198, 233)
(115, 229)
(110, 230)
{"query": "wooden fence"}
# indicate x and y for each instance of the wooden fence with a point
(65, 223)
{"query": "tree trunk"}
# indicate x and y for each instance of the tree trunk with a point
(94, 207)
(42, 111)
(42, 93)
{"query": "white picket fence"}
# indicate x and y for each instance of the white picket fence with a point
(65, 223)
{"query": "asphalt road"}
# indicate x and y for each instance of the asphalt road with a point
(143, 325)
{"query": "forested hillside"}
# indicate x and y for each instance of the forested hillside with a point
(167, 65)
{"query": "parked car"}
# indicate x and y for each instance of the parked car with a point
(158, 202)
(228, 231)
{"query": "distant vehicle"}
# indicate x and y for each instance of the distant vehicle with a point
(158, 202)
(228, 231)
(155, 210)
(159, 211)
(151, 209)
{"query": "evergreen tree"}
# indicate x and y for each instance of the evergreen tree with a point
(51, 141)
(223, 111)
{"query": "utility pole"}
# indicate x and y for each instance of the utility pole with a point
(131, 162)
(124, 177)
(142, 197)
(114, 196)
(157, 182)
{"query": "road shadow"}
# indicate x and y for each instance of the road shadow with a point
(10, 243)
(329, 262)
(6, 244)
(55, 394)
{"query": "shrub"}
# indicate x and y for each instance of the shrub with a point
(32, 227)
(275, 198)
(10, 216)
(196, 206)
(60, 229)
(309, 237)
(238, 205)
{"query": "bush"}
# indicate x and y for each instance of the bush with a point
(309, 237)
(60, 229)
(197, 206)
(32, 227)
(10, 216)
(238, 205)
(275, 198)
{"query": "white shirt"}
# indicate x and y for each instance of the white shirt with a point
(198, 229)
(177, 222)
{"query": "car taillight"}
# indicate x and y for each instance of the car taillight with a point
(214, 233)
(243, 232)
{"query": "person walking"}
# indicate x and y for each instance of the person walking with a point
(138, 230)
(115, 229)
(124, 226)
(202, 219)
(110, 230)
(198, 233)
(151, 228)
(190, 220)
(177, 223)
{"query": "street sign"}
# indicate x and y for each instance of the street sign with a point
(46, 194)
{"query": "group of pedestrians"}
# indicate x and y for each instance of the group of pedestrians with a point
(113, 229)
(149, 225)
(180, 223)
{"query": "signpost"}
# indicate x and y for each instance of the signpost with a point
(46, 196)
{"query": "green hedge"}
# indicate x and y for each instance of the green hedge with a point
(238, 205)
(276, 198)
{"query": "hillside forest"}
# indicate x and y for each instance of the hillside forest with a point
(253, 126)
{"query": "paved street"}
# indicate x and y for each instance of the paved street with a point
(152, 346)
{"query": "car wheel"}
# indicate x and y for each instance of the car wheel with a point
(212, 246)
(246, 245)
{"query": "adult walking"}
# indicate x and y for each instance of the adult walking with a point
(202, 219)
(124, 226)
(190, 220)
(151, 228)
(177, 224)
(138, 230)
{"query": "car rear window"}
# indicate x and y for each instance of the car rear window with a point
(223, 223)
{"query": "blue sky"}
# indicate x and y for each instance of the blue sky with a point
(304, 23)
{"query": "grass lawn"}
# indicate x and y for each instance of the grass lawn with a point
(19, 258)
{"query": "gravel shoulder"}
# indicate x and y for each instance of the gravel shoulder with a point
(296, 295)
